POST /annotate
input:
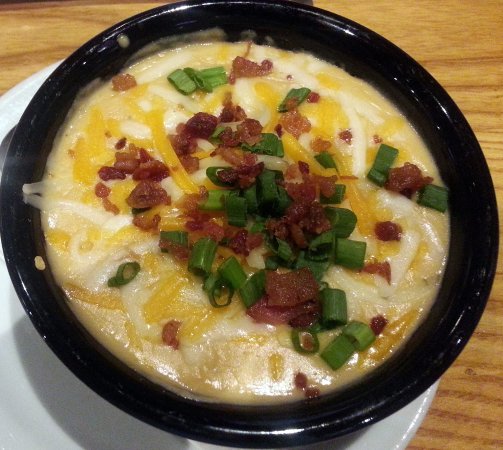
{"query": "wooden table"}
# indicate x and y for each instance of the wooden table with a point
(459, 42)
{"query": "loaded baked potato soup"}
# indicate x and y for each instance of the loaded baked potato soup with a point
(243, 224)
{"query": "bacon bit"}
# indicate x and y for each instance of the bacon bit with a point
(249, 131)
(170, 334)
(123, 82)
(236, 157)
(107, 173)
(182, 143)
(406, 180)
(121, 143)
(153, 170)
(206, 228)
(189, 203)
(289, 77)
(346, 136)
(377, 139)
(261, 312)
(279, 130)
(320, 145)
(109, 206)
(382, 269)
(313, 97)
(201, 125)
(180, 252)
(295, 123)
(388, 231)
(244, 68)
(303, 167)
(243, 242)
(290, 288)
(147, 222)
(231, 112)
(326, 185)
(190, 163)
(298, 236)
(304, 192)
(126, 162)
(146, 194)
(378, 323)
(101, 190)
(312, 392)
(300, 380)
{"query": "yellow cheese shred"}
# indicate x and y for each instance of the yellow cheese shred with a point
(161, 143)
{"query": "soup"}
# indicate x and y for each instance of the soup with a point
(243, 224)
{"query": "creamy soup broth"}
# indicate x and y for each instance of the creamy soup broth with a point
(223, 354)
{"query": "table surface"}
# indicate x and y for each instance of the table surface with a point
(460, 42)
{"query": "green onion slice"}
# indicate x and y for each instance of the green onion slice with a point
(267, 190)
(211, 173)
(219, 291)
(321, 248)
(177, 237)
(182, 82)
(295, 97)
(270, 145)
(232, 272)
(360, 334)
(433, 196)
(305, 341)
(280, 248)
(384, 159)
(343, 221)
(318, 268)
(326, 160)
(349, 253)
(334, 309)
(125, 273)
(337, 353)
(217, 199)
(202, 256)
(250, 194)
(215, 136)
(253, 288)
(337, 197)
(236, 211)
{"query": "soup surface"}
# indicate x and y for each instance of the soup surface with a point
(170, 185)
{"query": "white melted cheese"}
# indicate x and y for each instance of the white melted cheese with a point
(224, 355)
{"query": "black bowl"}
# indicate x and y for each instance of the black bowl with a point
(432, 348)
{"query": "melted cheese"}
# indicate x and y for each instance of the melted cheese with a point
(223, 354)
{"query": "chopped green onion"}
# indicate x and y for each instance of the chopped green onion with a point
(318, 268)
(235, 208)
(350, 254)
(216, 199)
(257, 227)
(384, 159)
(305, 341)
(250, 194)
(202, 256)
(337, 353)
(343, 221)
(337, 197)
(334, 309)
(294, 95)
(253, 288)
(177, 237)
(232, 272)
(182, 82)
(125, 273)
(280, 248)
(136, 211)
(215, 136)
(270, 145)
(322, 246)
(211, 173)
(219, 291)
(360, 334)
(211, 78)
(434, 196)
(267, 190)
(272, 262)
(283, 201)
(326, 160)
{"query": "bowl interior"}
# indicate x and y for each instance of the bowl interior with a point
(433, 347)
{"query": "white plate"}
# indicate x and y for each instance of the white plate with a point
(44, 406)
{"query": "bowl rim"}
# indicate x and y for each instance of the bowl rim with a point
(270, 426)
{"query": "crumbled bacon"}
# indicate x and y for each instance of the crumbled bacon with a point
(123, 82)
(189, 163)
(312, 392)
(244, 68)
(236, 157)
(109, 206)
(388, 231)
(313, 97)
(406, 180)
(249, 131)
(180, 252)
(121, 143)
(182, 143)
(290, 288)
(201, 125)
(101, 190)
(107, 173)
(275, 315)
(207, 228)
(153, 170)
(295, 123)
(382, 269)
(300, 380)
(326, 185)
(377, 139)
(147, 222)
(242, 242)
(378, 323)
(279, 130)
(297, 236)
(170, 333)
(319, 145)
(126, 162)
(146, 194)
(346, 136)
(231, 112)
